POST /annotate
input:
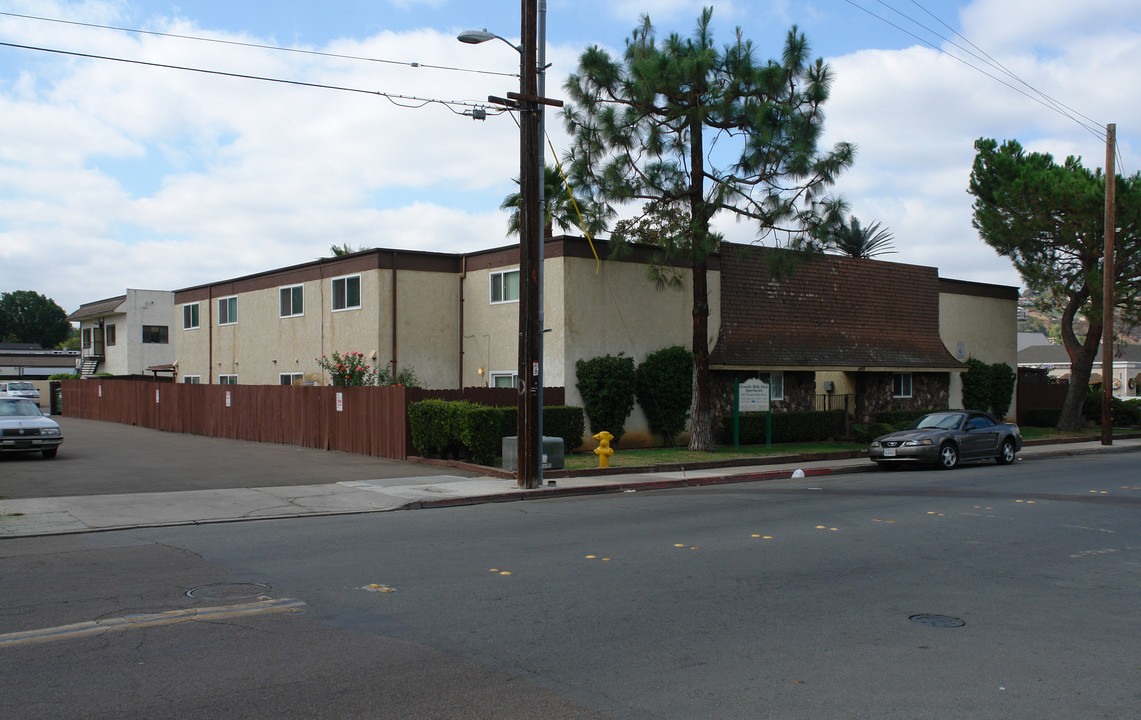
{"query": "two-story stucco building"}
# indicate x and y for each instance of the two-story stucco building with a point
(128, 334)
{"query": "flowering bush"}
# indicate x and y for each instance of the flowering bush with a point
(348, 369)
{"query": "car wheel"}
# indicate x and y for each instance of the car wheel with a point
(49, 453)
(1006, 455)
(948, 457)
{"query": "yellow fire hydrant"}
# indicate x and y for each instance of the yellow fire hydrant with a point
(603, 451)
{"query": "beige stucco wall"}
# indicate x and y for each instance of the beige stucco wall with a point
(985, 328)
(619, 309)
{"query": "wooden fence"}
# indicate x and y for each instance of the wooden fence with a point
(363, 420)
(1034, 395)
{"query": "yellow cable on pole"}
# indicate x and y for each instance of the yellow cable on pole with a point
(581, 223)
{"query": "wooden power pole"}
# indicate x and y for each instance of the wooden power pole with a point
(1107, 287)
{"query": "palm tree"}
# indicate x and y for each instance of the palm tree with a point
(560, 208)
(859, 242)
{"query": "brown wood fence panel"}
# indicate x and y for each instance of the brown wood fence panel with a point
(1032, 396)
(367, 420)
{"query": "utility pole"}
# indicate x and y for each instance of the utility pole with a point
(530, 236)
(1107, 287)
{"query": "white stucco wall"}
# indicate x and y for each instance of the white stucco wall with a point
(982, 327)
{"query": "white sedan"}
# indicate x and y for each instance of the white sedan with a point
(23, 428)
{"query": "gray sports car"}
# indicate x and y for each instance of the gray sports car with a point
(944, 438)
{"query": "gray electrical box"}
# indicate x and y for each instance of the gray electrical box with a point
(552, 453)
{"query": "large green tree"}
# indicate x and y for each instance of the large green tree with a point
(712, 129)
(1049, 219)
(28, 317)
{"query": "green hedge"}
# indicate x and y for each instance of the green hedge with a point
(460, 429)
(1041, 417)
(788, 427)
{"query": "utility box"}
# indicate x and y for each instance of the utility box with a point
(553, 455)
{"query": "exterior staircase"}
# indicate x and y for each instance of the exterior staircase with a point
(89, 366)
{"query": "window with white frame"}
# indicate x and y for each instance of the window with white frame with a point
(227, 379)
(347, 293)
(227, 310)
(292, 301)
(505, 286)
(192, 379)
(290, 378)
(190, 316)
(776, 384)
(901, 385)
(505, 379)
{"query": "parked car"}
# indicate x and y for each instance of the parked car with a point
(13, 388)
(23, 428)
(945, 438)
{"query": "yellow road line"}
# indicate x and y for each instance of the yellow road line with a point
(147, 620)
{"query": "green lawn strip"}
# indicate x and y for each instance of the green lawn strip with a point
(649, 457)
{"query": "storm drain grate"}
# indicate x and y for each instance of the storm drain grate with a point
(228, 591)
(938, 621)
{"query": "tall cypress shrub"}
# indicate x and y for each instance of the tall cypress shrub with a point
(606, 384)
(665, 389)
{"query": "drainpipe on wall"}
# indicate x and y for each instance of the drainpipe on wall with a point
(394, 315)
(463, 277)
(210, 334)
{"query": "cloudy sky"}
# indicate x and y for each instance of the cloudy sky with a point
(116, 175)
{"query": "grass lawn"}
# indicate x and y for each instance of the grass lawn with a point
(663, 456)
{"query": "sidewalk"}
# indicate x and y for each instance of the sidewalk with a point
(68, 515)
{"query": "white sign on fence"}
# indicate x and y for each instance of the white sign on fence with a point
(753, 396)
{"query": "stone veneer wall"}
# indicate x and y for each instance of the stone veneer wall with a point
(929, 391)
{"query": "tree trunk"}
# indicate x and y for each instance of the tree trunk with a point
(701, 425)
(1082, 355)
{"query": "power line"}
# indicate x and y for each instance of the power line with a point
(259, 46)
(1043, 99)
(398, 100)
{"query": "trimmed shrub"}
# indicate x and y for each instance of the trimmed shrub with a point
(988, 387)
(606, 384)
(664, 388)
(788, 427)
(436, 427)
(481, 431)
(568, 423)
(1042, 417)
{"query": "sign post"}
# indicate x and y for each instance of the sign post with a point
(753, 395)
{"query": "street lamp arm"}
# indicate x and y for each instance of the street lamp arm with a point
(475, 37)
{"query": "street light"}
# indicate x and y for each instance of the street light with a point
(529, 101)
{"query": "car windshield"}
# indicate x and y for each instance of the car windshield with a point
(945, 421)
(21, 386)
(19, 408)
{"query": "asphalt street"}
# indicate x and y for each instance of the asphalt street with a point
(984, 592)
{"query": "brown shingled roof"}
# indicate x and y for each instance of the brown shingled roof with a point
(99, 308)
(829, 312)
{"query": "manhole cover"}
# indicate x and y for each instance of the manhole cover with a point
(228, 591)
(938, 621)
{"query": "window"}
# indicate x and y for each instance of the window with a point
(347, 293)
(86, 338)
(156, 334)
(504, 379)
(505, 286)
(290, 378)
(192, 379)
(292, 301)
(227, 379)
(190, 316)
(776, 384)
(901, 385)
(228, 311)
(109, 335)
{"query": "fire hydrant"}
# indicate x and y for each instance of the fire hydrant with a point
(603, 451)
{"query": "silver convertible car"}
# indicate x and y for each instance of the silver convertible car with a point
(944, 438)
(23, 428)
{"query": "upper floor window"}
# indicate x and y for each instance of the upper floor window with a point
(505, 286)
(109, 335)
(190, 316)
(292, 301)
(156, 334)
(901, 385)
(347, 293)
(227, 311)
(86, 338)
